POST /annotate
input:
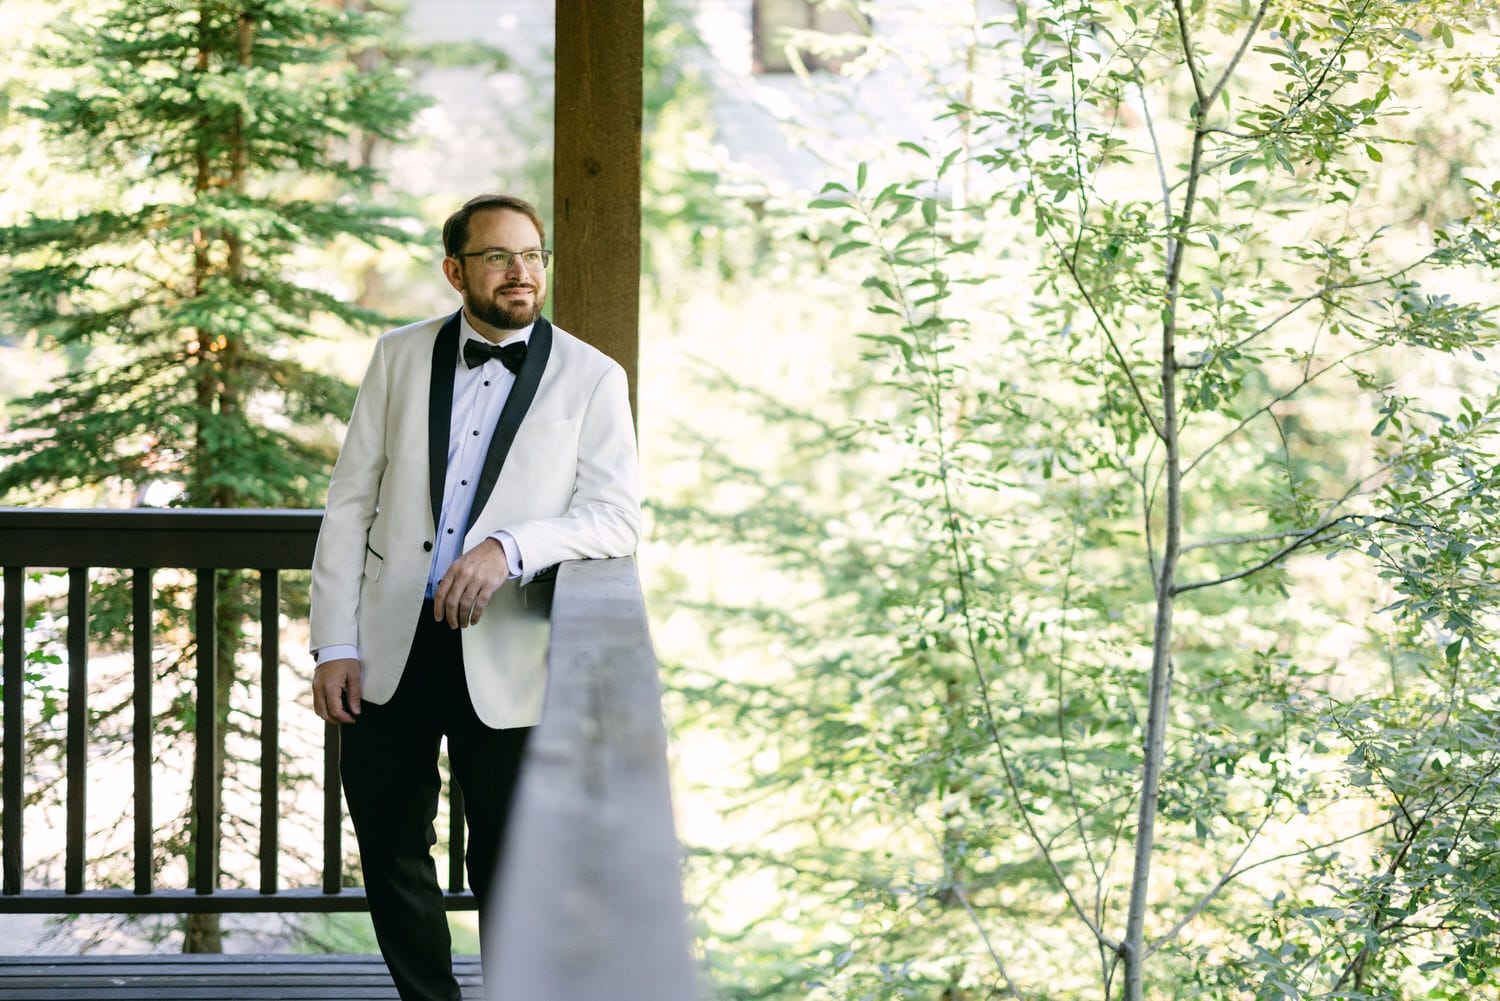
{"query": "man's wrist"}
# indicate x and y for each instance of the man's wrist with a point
(512, 551)
(335, 651)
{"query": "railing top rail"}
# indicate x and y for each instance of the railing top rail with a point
(271, 539)
(591, 902)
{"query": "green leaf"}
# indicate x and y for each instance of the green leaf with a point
(847, 246)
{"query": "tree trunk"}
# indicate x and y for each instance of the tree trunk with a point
(218, 393)
(1158, 701)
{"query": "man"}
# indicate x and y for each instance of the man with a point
(459, 480)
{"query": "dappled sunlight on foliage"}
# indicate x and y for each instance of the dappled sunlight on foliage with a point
(1162, 454)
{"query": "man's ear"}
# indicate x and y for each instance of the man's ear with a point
(453, 270)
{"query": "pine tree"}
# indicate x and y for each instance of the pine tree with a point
(231, 130)
(226, 123)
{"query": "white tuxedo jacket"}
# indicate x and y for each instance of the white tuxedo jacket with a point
(566, 488)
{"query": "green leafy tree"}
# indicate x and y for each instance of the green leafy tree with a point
(1184, 382)
(231, 131)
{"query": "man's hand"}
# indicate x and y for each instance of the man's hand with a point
(466, 588)
(335, 683)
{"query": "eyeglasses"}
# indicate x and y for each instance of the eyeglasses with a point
(496, 259)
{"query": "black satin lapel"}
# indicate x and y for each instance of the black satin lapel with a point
(538, 347)
(440, 410)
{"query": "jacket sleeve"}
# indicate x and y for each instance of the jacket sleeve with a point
(604, 514)
(353, 491)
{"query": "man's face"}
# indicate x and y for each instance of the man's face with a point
(504, 300)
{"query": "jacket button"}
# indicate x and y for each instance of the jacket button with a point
(427, 547)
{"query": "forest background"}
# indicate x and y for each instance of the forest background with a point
(1073, 518)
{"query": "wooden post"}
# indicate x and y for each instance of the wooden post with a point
(596, 281)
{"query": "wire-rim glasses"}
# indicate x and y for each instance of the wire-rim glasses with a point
(496, 259)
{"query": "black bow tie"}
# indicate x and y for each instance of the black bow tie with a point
(476, 353)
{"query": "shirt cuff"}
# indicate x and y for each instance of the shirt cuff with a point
(512, 553)
(338, 651)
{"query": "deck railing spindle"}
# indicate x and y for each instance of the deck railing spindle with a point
(270, 726)
(205, 736)
(15, 696)
(141, 629)
(333, 812)
(78, 729)
(455, 837)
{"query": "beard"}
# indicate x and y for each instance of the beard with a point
(503, 315)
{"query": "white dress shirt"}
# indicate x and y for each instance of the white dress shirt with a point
(479, 394)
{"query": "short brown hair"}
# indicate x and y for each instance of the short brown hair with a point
(456, 229)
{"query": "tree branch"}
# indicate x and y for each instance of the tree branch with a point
(1302, 383)
(984, 937)
(1156, 153)
(1192, 63)
(1209, 897)
(1239, 54)
(1302, 540)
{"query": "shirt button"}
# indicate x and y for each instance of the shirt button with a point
(463, 483)
(427, 546)
(476, 432)
(486, 382)
(450, 531)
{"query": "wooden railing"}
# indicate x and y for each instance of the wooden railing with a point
(593, 867)
(144, 542)
(591, 897)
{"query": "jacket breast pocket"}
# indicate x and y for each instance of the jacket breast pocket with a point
(541, 445)
(374, 562)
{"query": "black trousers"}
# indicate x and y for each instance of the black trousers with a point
(388, 763)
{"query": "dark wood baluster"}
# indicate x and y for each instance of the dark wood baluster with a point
(455, 836)
(78, 729)
(15, 701)
(142, 637)
(205, 738)
(333, 813)
(270, 726)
